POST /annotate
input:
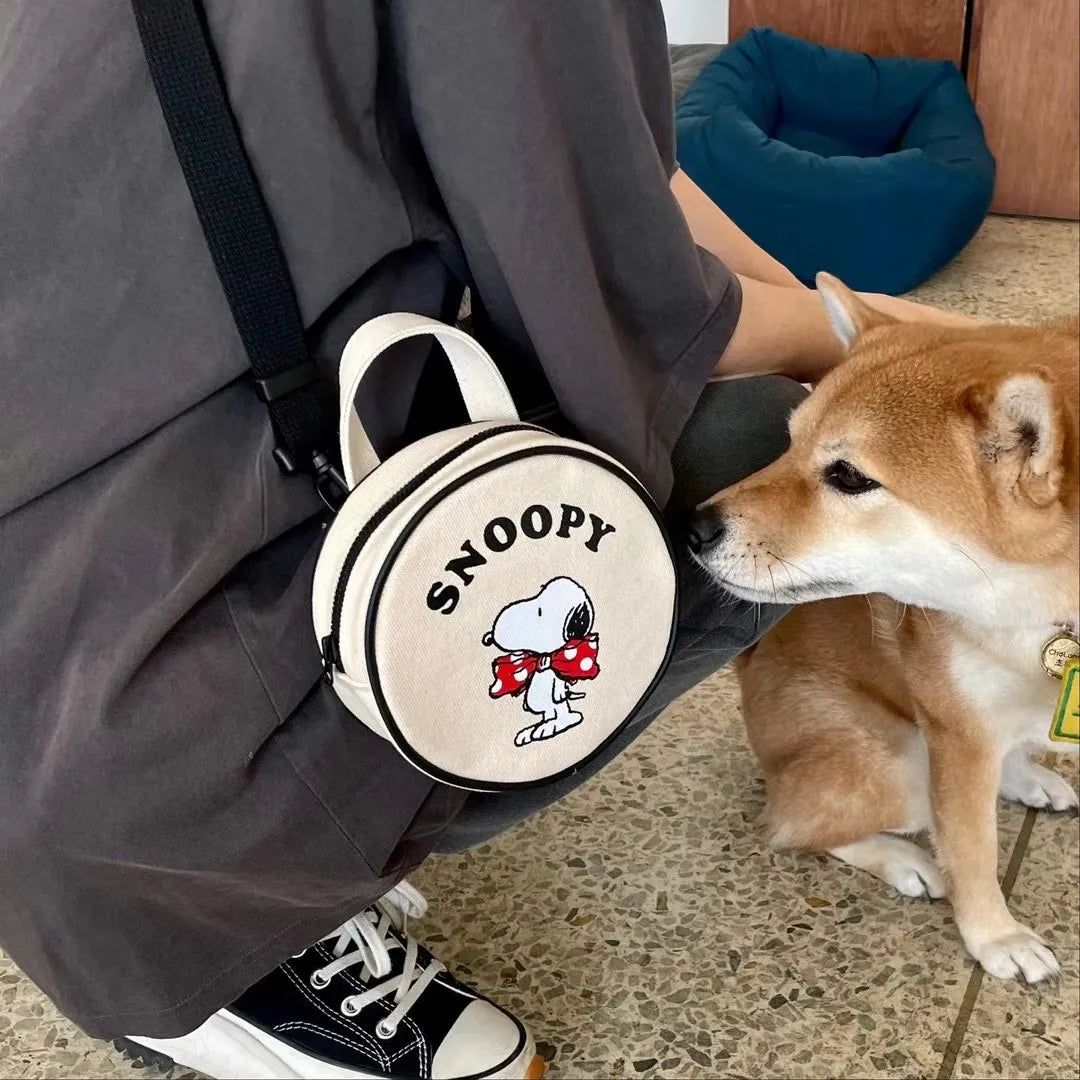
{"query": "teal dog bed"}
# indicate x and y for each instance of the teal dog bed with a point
(873, 169)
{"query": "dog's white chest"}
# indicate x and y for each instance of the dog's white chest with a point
(1002, 678)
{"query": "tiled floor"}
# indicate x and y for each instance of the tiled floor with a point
(642, 930)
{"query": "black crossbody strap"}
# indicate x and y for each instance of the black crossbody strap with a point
(239, 232)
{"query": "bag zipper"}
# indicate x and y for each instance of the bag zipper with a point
(329, 646)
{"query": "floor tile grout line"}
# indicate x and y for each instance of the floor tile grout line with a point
(971, 991)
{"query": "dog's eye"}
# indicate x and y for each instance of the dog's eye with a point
(843, 476)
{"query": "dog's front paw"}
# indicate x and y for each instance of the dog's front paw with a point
(1033, 785)
(1018, 954)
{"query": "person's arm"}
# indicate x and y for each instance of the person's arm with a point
(580, 250)
(714, 231)
(781, 331)
(782, 328)
(785, 331)
(553, 149)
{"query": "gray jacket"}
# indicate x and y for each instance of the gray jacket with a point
(181, 801)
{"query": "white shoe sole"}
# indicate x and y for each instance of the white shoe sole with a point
(227, 1047)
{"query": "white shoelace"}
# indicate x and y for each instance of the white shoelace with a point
(366, 939)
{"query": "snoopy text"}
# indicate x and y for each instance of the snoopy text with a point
(501, 533)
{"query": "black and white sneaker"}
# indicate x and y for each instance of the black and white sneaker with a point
(368, 1001)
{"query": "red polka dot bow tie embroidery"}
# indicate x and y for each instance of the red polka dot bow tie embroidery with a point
(575, 660)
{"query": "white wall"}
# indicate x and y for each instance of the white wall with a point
(693, 21)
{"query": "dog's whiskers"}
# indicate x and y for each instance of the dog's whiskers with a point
(974, 563)
(794, 590)
(791, 580)
(787, 562)
(725, 599)
(873, 620)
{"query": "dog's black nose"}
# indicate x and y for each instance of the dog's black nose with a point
(705, 529)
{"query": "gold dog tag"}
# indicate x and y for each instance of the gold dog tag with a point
(1065, 726)
(1058, 651)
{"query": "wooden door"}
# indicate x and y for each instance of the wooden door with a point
(1023, 76)
(930, 29)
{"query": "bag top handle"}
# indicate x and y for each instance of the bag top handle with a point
(482, 388)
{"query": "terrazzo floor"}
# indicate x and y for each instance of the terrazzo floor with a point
(642, 930)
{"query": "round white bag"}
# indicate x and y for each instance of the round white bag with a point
(495, 600)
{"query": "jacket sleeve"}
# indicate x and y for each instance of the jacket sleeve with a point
(549, 131)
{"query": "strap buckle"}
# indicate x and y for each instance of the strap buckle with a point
(327, 477)
(329, 482)
(286, 382)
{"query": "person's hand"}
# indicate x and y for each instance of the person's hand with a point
(781, 331)
(911, 311)
(786, 331)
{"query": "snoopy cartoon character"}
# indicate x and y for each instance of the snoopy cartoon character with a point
(549, 647)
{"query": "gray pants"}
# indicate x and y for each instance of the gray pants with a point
(247, 828)
(737, 428)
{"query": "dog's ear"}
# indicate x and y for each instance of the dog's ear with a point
(1021, 428)
(849, 315)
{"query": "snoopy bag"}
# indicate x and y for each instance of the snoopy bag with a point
(495, 600)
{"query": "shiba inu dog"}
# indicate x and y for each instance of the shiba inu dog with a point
(936, 468)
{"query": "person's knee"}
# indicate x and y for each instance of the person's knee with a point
(737, 427)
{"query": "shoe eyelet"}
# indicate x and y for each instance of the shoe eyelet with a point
(348, 1007)
(319, 980)
(385, 1030)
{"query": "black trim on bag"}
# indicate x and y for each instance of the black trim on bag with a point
(403, 747)
(330, 645)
